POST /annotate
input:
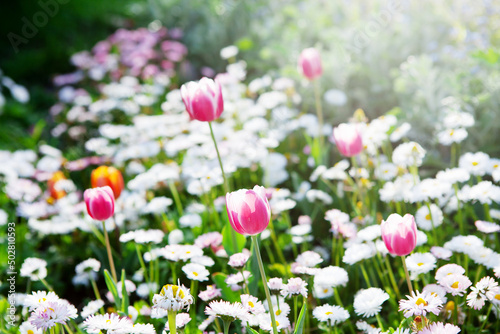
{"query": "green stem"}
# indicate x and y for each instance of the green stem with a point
(391, 277)
(94, 286)
(226, 184)
(408, 281)
(276, 244)
(171, 322)
(485, 319)
(379, 322)
(295, 306)
(47, 285)
(141, 261)
(174, 274)
(319, 113)
(177, 200)
(434, 234)
(192, 312)
(108, 248)
(365, 274)
(227, 324)
(264, 282)
(68, 329)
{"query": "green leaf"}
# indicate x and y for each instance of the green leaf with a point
(490, 56)
(125, 301)
(227, 293)
(110, 283)
(300, 321)
(251, 330)
(227, 240)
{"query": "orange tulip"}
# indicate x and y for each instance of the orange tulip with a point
(56, 193)
(107, 176)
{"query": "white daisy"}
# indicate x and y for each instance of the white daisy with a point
(408, 154)
(34, 268)
(282, 322)
(91, 308)
(295, 286)
(475, 163)
(448, 269)
(39, 298)
(368, 302)
(172, 298)
(420, 263)
(107, 322)
(309, 259)
(331, 314)
(441, 253)
(425, 219)
(420, 304)
(196, 272)
(227, 311)
(358, 252)
(252, 304)
(52, 313)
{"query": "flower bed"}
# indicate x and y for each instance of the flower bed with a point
(347, 230)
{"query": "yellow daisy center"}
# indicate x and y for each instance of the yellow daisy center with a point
(421, 301)
(428, 216)
(195, 273)
(328, 313)
(455, 285)
(251, 304)
(176, 290)
(30, 331)
(497, 297)
(420, 264)
(325, 290)
(475, 163)
(278, 312)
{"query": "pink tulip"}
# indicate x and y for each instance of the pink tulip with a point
(399, 234)
(310, 63)
(348, 139)
(100, 202)
(203, 99)
(249, 211)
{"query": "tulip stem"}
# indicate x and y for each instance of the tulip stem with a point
(108, 248)
(319, 113)
(408, 281)
(264, 283)
(226, 185)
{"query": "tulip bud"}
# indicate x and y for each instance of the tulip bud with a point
(107, 176)
(310, 63)
(203, 99)
(249, 211)
(348, 139)
(56, 193)
(100, 202)
(399, 234)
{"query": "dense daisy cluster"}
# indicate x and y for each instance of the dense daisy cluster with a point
(181, 266)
